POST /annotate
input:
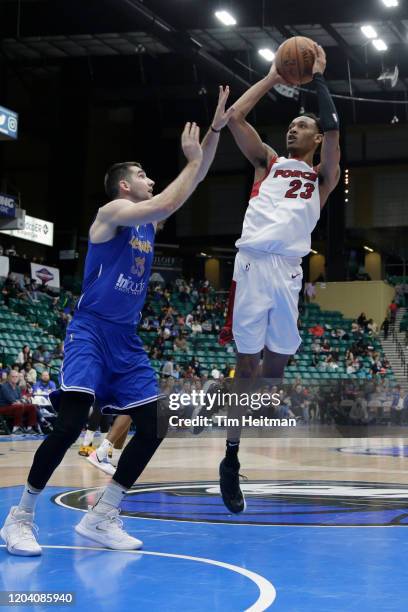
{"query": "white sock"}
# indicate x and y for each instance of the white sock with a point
(88, 437)
(111, 498)
(116, 453)
(29, 498)
(103, 450)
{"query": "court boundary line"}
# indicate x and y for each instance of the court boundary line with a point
(267, 592)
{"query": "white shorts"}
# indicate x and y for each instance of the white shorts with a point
(266, 302)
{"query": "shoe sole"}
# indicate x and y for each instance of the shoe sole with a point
(86, 533)
(19, 553)
(101, 467)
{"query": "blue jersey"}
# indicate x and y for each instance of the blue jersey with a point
(117, 274)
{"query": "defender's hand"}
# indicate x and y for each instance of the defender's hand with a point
(190, 142)
(221, 116)
(320, 59)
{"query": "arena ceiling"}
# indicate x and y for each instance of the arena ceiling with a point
(175, 45)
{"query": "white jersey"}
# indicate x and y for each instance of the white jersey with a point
(283, 210)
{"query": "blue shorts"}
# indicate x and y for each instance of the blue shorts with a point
(107, 361)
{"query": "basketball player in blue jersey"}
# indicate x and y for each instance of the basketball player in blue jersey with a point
(284, 207)
(103, 357)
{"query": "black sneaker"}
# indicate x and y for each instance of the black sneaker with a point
(232, 495)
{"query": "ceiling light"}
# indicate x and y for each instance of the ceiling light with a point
(226, 18)
(367, 248)
(369, 31)
(379, 44)
(390, 3)
(267, 54)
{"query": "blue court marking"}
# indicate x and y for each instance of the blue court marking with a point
(312, 569)
(386, 451)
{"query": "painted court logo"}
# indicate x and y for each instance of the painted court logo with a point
(273, 502)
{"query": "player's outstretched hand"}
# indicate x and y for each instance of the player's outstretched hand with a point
(320, 59)
(222, 116)
(190, 142)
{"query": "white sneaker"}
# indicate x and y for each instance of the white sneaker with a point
(104, 465)
(107, 529)
(18, 533)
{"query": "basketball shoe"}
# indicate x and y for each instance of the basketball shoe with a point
(18, 533)
(102, 464)
(107, 529)
(232, 495)
(85, 451)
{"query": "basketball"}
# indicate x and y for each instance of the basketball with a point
(294, 60)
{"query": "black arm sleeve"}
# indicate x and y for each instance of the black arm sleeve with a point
(329, 118)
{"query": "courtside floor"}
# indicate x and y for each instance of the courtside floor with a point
(326, 529)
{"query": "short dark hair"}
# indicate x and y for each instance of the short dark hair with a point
(316, 119)
(115, 174)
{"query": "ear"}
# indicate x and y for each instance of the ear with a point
(318, 139)
(123, 184)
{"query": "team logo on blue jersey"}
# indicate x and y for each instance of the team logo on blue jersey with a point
(272, 502)
(138, 267)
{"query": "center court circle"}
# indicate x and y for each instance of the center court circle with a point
(274, 502)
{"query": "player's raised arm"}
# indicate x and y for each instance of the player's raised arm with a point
(246, 137)
(329, 170)
(124, 212)
(210, 142)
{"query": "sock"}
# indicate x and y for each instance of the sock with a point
(88, 437)
(111, 498)
(29, 498)
(231, 453)
(103, 450)
(116, 453)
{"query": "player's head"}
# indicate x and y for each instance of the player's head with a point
(304, 135)
(128, 180)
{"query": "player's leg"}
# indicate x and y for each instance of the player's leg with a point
(18, 530)
(250, 320)
(273, 364)
(101, 523)
(113, 444)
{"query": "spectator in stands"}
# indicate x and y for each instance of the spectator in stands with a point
(45, 385)
(24, 355)
(30, 374)
(317, 330)
(195, 365)
(181, 344)
(298, 402)
(372, 327)
(362, 320)
(385, 327)
(168, 368)
(309, 292)
(326, 346)
(196, 327)
(58, 352)
(207, 326)
(11, 405)
(215, 373)
(393, 307)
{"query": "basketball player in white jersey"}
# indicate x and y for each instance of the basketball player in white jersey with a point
(284, 207)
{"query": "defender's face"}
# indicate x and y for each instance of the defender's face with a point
(137, 186)
(303, 136)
